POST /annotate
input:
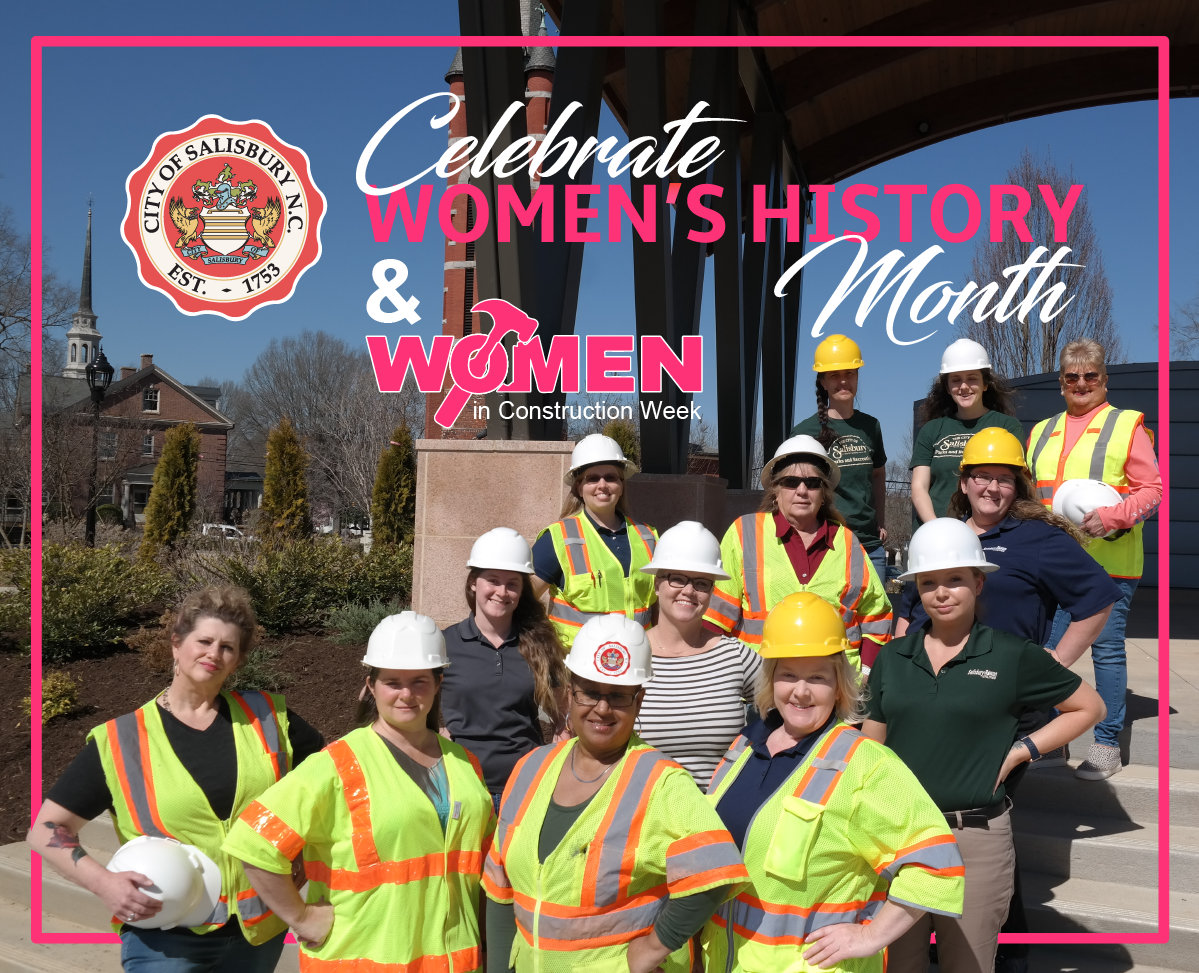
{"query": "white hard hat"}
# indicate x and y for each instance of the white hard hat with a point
(501, 548)
(798, 447)
(612, 649)
(964, 355)
(688, 547)
(186, 881)
(597, 448)
(406, 641)
(1074, 499)
(945, 543)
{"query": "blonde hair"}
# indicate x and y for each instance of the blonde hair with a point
(574, 502)
(828, 510)
(851, 692)
(1084, 351)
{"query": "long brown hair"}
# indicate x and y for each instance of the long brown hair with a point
(939, 404)
(827, 437)
(828, 510)
(1025, 507)
(367, 712)
(539, 646)
(574, 502)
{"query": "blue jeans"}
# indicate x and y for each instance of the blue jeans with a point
(159, 951)
(1110, 661)
(878, 557)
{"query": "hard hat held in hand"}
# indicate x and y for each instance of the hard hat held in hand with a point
(803, 624)
(1074, 499)
(185, 880)
(835, 353)
(992, 446)
(688, 547)
(945, 543)
(964, 355)
(502, 549)
(612, 649)
(801, 449)
(406, 641)
(597, 448)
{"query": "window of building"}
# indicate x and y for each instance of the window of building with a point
(150, 400)
(108, 445)
(140, 496)
(83, 353)
(148, 444)
(73, 349)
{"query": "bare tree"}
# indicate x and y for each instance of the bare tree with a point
(1184, 329)
(16, 291)
(1024, 344)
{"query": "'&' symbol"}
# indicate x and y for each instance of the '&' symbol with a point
(389, 290)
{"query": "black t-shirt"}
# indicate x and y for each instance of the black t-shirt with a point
(209, 755)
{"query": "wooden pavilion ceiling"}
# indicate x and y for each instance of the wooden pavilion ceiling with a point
(851, 108)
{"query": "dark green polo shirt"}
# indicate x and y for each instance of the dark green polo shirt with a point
(954, 730)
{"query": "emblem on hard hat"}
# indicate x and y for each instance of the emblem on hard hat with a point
(612, 658)
(223, 217)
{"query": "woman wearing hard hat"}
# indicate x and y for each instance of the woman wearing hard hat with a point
(506, 661)
(391, 823)
(607, 857)
(965, 398)
(845, 850)
(695, 704)
(175, 774)
(854, 440)
(947, 698)
(591, 559)
(799, 542)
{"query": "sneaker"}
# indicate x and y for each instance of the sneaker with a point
(1100, 764)
(1054, 758)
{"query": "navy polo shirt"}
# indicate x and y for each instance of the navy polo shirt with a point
(762, 774)
(545, 559)
(1041, 568)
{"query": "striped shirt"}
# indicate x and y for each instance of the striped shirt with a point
(695, 706)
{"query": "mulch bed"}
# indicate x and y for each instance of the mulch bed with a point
(322, 681)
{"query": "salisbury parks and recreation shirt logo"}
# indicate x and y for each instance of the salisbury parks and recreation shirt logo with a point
(223, 217)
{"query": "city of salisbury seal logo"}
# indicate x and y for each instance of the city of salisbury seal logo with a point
(223, 217)
(612, 658)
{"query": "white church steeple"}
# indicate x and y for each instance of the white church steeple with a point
(83, 340)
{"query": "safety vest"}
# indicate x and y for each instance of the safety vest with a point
(594, 580)
(850, 828)
(647, 834)
(1100, 453)
(153, 794)
(762, 576)
(405, 896)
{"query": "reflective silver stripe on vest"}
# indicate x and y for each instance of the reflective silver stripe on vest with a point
(853, 587)
(749, 562)
(828, 769)
(734, 751)
(565, 612)
(881, 627)
(576, 545)
(579, 930)
(519, 786)
(646, 535)
(944, 855)
(260, 706)
(760, 924)
(643, 616)
(252, 907)
(496, 873)
(1042, 442)
(616, 837)
(1099, 456)
(135, 774)
(219, 915)
(705, 858)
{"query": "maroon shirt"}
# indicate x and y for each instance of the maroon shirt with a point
(804, 559)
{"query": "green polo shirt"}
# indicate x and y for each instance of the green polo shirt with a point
(954, 729)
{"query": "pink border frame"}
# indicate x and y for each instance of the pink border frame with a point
(1162, 44)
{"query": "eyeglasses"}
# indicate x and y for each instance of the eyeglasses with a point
(984, 480)
(601, 477)
(1073, 378)
(793, 482)
(702, 585)
(585, 697)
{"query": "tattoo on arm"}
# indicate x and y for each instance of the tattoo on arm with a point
(60, 837)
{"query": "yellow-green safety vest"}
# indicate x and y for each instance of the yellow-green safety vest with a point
(646, 836)
(153, 794)
(405, 896)
(1100, 453)
(594, 582)
(762, 576)
(850, 828)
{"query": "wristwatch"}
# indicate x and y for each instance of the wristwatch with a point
(1030, 747)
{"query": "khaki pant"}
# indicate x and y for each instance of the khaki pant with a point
(967, 945)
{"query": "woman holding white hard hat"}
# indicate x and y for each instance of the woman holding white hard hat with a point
(966, 396)
(798, 541)
(695, 704)
(390, 822)
(506, 661)
(176, 773)
(947, 699)
(591, 559)
(607, 857)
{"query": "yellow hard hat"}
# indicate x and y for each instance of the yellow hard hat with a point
(993, 445)
(835, 353)
(803, 624)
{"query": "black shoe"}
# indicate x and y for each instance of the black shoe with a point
(1011, 964)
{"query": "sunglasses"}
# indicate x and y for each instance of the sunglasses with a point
(616, 700)
(1073, 378)
(793, 482)
(702, 585)
(601, 478)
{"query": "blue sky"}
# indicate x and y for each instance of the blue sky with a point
(104, 107)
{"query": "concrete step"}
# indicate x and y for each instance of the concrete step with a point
(1130, 795)
(19, 955)
(1104, 849)
(1081, 959)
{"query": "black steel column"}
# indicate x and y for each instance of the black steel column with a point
(774, 429)
(795, 372)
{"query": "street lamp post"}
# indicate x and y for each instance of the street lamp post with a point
(99, 377)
